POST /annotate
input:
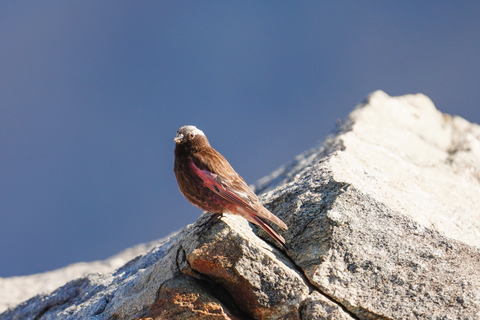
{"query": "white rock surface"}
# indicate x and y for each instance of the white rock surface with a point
(405, 153)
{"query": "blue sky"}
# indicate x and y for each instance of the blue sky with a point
(92, 93)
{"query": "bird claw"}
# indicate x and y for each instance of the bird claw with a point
(211, 220)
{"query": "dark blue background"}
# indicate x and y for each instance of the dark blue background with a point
(92, 93)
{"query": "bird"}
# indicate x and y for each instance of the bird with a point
(209, 182)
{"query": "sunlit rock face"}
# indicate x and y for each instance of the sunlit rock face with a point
(384, 223)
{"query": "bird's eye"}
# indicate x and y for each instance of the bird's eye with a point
(192, 135)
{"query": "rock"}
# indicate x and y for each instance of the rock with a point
(185, 298)
(383, 224)
(14, 290)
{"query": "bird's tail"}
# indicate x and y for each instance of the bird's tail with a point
(274, 234)
(265, 214)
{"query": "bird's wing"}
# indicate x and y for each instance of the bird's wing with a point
(220, 177)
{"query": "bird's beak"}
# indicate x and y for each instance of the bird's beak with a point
(178, 138)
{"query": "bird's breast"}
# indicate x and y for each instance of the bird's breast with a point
(193, 187)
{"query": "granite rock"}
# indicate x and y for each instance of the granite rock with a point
(14, 290)
(384, 223)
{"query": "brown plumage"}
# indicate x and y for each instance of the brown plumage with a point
(209, 182)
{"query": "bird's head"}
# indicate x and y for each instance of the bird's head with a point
(190, 137)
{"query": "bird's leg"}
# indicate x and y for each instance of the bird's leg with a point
(211, 220)
(215, 218)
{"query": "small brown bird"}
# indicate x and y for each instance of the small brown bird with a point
(209, 182)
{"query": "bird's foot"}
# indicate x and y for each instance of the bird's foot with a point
(211, 220)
